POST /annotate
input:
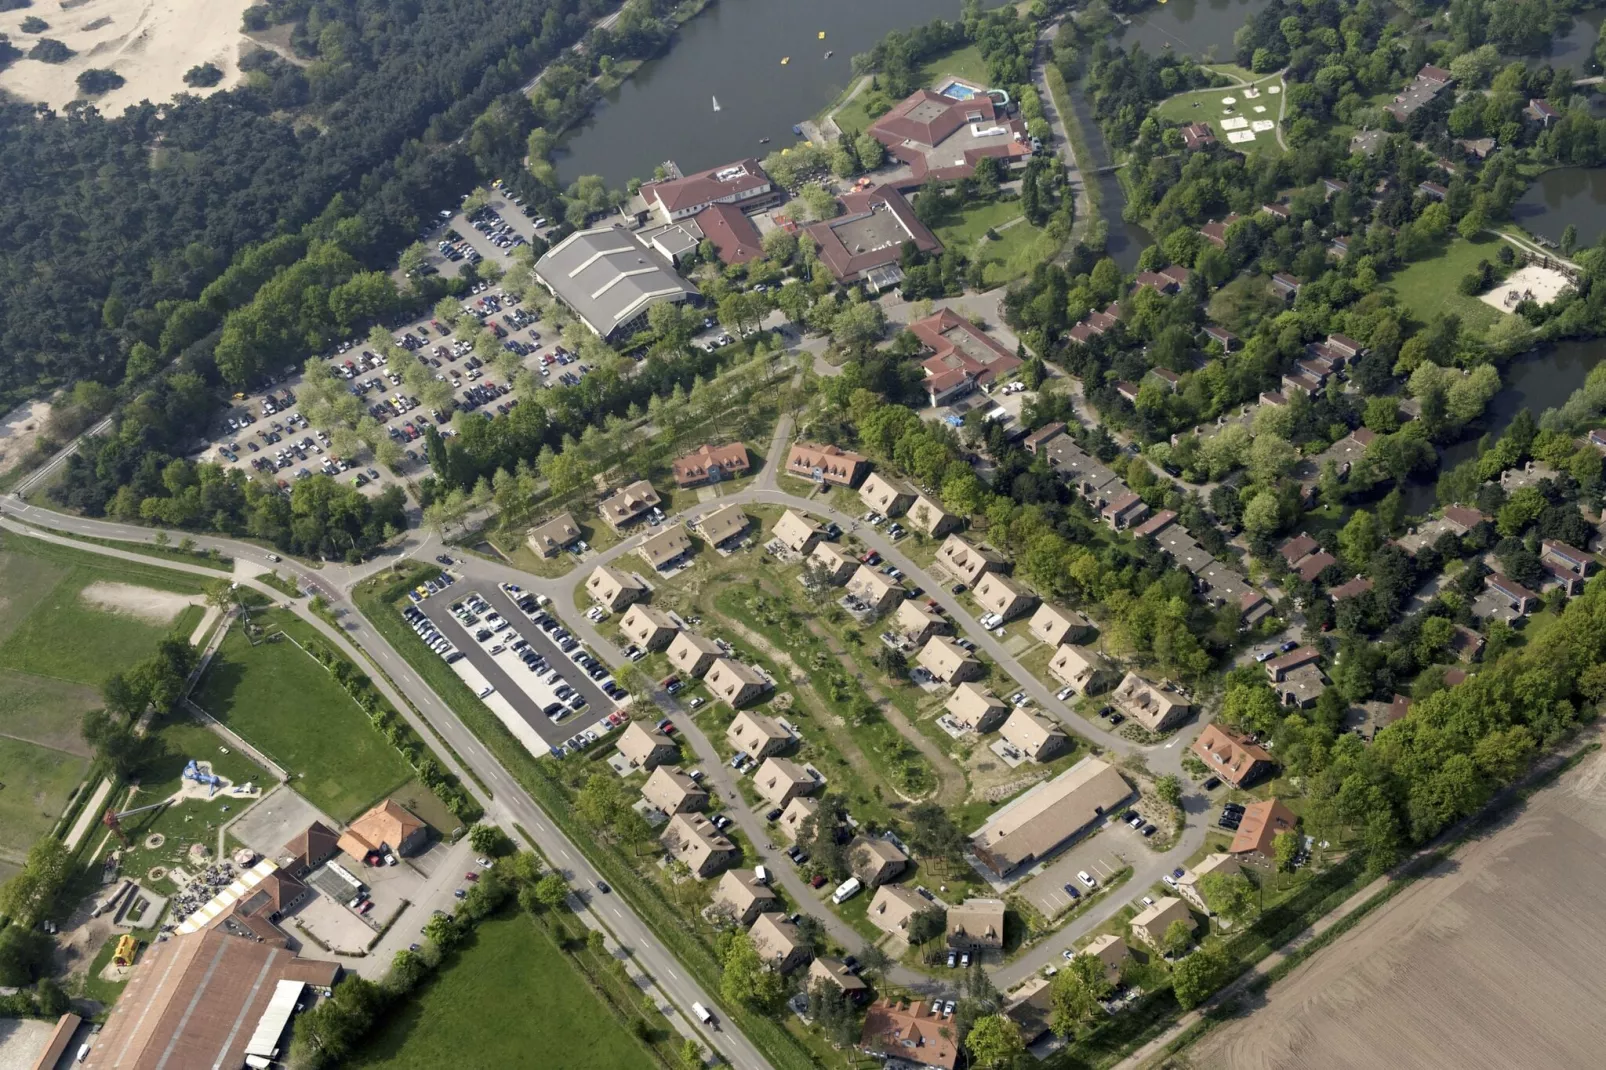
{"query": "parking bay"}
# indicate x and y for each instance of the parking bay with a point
(499, 671)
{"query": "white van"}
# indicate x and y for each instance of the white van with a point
(762, 874)
(846, 890)
(702, 1014)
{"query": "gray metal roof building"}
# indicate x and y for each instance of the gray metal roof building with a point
(609, 278)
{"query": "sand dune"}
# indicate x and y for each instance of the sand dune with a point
(151, 43)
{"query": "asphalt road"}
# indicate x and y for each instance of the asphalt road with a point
(509, 803)
(484, 574)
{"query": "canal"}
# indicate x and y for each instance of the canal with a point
(732, 52)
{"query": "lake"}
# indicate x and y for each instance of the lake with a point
(1575, 195)
(733, 52)
(1200, 28)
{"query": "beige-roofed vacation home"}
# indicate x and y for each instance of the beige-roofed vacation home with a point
(666, 548)
(1056, 626)
(876, 861)
(734, 682)
(756, 735)
(693, 839)
(613, 589)
(673, 792)
(693, 654)
(628, 504)
(965, 562)
(796, 532)
(779, 781)
(646, 748)
(977, 924)
(648, 628)
(744, 895)
(976, 708)
(1034, 735)
(947, 661)
(552, 537)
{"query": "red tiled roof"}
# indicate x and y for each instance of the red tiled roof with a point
(846, 264)
(958, 344)
(705, 187)
(733, 234)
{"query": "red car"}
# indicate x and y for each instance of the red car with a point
(471, 876)
(818, 881)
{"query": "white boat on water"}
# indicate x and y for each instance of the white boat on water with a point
(716, 103)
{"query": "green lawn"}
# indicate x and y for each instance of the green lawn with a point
(1008, 257)
(484, 1003)
(69, 638)
(45, 711)
(36, 784)
(1427, 287)
(279, 698)
(1205, 106)
(26, 581)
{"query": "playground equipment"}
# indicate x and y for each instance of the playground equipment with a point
(193, 771)
(113, 818)
(126, 949)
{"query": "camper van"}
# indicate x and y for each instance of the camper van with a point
(846, 890)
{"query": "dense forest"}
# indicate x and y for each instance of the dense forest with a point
(108, 224)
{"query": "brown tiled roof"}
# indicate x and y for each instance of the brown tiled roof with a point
(194, 1000)
(1261, 823)
(846, 263)
(958, 344)
(910, 1032)
(705, 187)
(735, 238)
(695, 466)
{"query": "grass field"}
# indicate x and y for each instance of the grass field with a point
(279, 698)
(1427, 287)
(482, 1003)
(1205, 106)
(37, 783)
(48, 628)
(1008, 257)
(45, 711)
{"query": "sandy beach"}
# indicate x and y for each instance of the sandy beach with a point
(151, 43)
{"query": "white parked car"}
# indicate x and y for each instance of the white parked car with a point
(1086, 878)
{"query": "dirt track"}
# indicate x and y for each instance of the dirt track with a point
(1496, 960)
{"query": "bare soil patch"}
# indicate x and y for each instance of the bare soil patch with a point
(1494, 960)
(148, 604)
(19, 430)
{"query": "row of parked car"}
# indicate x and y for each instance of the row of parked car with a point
(431, 635)
(532, 607)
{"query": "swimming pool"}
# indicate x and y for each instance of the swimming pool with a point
(959, 91)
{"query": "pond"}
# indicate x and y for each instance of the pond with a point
(1542, 381)
(1575, 195)
(1203, 29)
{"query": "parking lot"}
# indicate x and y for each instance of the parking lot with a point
(507, 673)
(266, 431)
(1046, 891)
